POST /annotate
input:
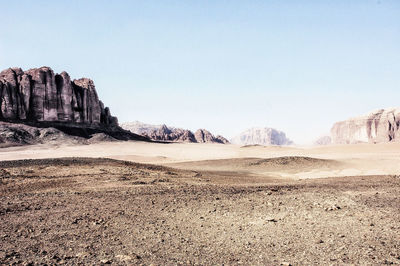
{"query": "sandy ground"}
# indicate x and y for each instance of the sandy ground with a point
(354, 160)
(200, 204)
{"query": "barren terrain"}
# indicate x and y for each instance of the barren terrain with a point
(140, 203)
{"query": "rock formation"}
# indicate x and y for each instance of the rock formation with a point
(378, 126)
(40, 98)
(221, 139)
(39, 95)
(204, 136)
(261, 136)
(174, 134)
(14, 134)
(164, 133)
(324, 140)
(140, 128)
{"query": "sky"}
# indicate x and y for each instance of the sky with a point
(297, 66)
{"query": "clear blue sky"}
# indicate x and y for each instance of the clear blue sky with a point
(297, 66)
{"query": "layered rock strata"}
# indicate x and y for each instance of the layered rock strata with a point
(40, 98)
(382, 125)
(39, 95)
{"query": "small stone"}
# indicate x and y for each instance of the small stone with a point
(124, 257)
(333, 208)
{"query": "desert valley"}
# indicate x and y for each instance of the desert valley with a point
(77, 187)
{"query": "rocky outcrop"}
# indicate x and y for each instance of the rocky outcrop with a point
(221, 139)
(12, 134)
(261, 136)
(204, 136)
(39, 95)
(39, 98)
(324, 140)
(164, 133)
(378, 126)
(175, 134)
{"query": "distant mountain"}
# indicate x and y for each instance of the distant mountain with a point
(261, 136)
(140, 128)
(324, 140)
(164, 133)
(382, 125)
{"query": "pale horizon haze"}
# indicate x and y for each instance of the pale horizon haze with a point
(226, 66)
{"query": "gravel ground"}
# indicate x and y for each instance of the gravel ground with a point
(101, 211)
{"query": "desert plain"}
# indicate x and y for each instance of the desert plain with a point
(132, 202)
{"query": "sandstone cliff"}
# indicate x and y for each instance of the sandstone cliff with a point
(40, 98)
(164, 133)
(261, 136)
(378, 126)
(39, 95)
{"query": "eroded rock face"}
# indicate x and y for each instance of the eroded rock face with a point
(39, 95)
(378, 126)
(261, 136)
(164, 133)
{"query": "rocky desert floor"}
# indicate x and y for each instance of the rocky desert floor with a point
(127, 203)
